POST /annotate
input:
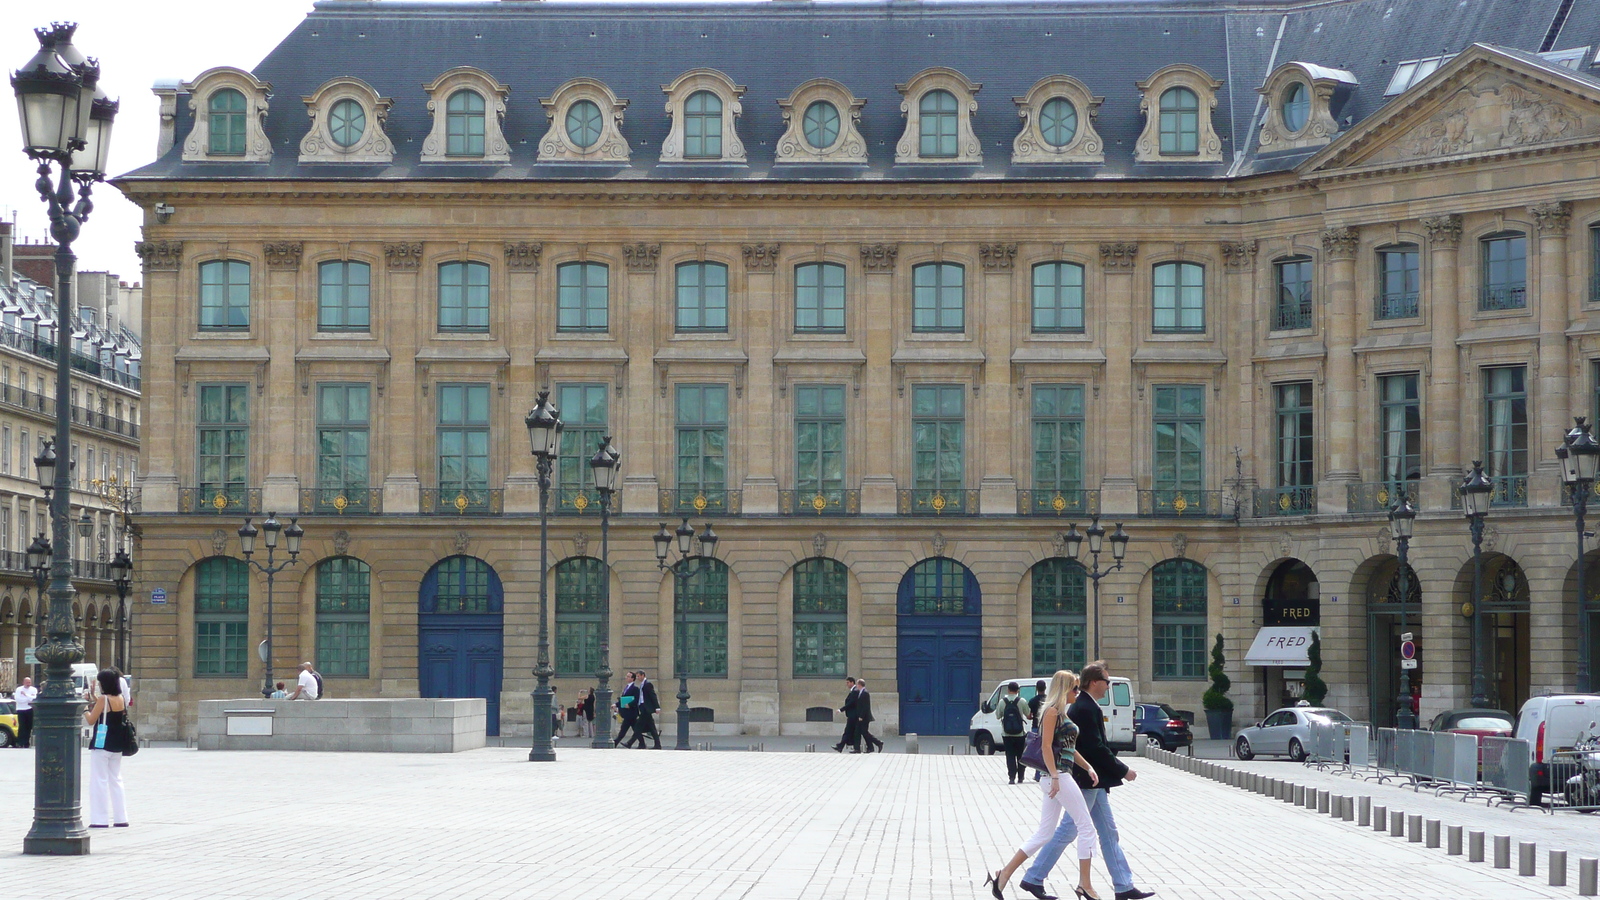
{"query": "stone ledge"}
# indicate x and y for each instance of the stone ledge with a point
(369, 726)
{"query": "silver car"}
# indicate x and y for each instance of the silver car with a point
(1286, 732)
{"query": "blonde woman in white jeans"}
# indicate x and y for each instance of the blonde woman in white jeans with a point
(1060, 793)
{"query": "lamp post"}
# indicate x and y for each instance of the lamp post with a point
(1119, 549)
(65, 121)
(121, 575)
(544, 434)
(269, 531)
(606, 464)
(1402, 519)
(39, 565)
(1578, 455)
(686, 539)
(1475, 492)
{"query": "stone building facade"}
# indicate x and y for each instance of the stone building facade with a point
(894, 322)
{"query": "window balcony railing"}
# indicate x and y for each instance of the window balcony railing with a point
(1509, 490)
(1291, 316)
(25, 399)
(700, 502)
(1296, 500)
(1594, 495)
(1492, 298)
(341, 501)
(104, 422)
(1061, 502)
(222, 500)
(1379, 496)
(582, 502)
(43, 349)
(94, 571)
(1182, 504)
(1396, 306)
(462, 501)
(937, 502)
(826, 502)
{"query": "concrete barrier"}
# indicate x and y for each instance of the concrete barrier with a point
(413, 725)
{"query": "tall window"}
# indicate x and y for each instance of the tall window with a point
(1057, 297)
(464, 296)
(1180, 437)
(1400, 451)
(344, 296)
(466, 585)
(1059, 617)
(702, 438)
(939, 297)
(938, 116)
(1293, 309)
(227, 123)
(701, 618)
(1505, 272)
(1295, 436)
(819, 298)
(938, 588)
(5, 452)
(1178, 589)
(1505, 435)
(938, 438)
(463, 439)
(583, 417)
(343, 446)
(223, 440)
(1180, 122)
(821, 602)
(224, 295)
(819, 442)
(702, 296)
(1594, 265)
(580, 587)
(702, 126)
(1057, 439)
(464, 124)
(344, 612)
(1399, 281)
(1180, 298)
(583, 291)
(221, 617)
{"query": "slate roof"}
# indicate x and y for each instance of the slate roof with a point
(771, 46)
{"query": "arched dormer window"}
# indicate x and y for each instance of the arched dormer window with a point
(1177, 103)
(1302, 101)
(347, 118)
(229, 107)
(1058, 115)
(823, 122)
(585, 124)
(938, 106)
(1180, 122)
(227, 122)
(704, 106)
(468, 106)
(464, 124)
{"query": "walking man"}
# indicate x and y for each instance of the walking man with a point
(849, 710)
(648, 707)
(25, 695)
(628, 709)
(864, 717)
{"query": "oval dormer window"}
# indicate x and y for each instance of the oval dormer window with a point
(1058, 122)
(347, 122)
(584, 124)
(1296, 107)
(821, 125)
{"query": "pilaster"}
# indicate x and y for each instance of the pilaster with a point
(518, 321)
(637, 318)
(1118, 489)
(1553, 403)
(761, 295)
(280, 489)
(401, 488)
(877, 293)
(158, 475)
(1442, 381)
(998, 485)
(1339, 247)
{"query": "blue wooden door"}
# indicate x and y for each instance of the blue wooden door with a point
(460, 634)
(940, 648)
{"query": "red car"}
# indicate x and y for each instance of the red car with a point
(1480, 723)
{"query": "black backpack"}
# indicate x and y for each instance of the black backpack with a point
(1011, 718)
(321, 691)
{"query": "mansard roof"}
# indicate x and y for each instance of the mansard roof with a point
(771, 46)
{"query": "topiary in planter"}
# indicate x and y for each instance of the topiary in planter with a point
(1219, 709)
(1316, 689)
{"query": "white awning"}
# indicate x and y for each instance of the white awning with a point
(1281, 645)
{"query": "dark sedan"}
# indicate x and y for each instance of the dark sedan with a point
(1158, 723)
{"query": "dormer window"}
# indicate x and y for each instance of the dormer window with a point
(1180, 123)
(227, 122)
(347, 118)
(585, 124)
(464, 121)
(1302, 99)
(229, 108)
(1177, 103)
(938, 125)
(1296, 107)
(1058, 122)
(821, 125)
(702, 126)
(938, 108)
(822, 122)
(347, 122)
(1057, 116)
(467, 105)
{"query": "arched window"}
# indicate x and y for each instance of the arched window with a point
(939, 117)
(464, 124)
(580, 592)
(221, 618)
(700, 621)
(1293, 309)
(224, 295)
(1180, 122)
(344, 296)
(461, 585)
(821, 601)
(583, 289)
(939, 297)
(227, 109)
(464, 296)
(939, 588)
(1179, 298)
(344, 607)
(1057, 297)
(1179, 604)
(1505, 271)
(702, 126)
(702, 295)
(1059, 616)
(819, 298)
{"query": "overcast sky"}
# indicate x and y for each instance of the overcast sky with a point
(137, 43)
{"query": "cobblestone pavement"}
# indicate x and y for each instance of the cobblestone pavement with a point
(629, 824)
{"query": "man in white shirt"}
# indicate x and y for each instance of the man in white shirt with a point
(25, 695)
(306, 688)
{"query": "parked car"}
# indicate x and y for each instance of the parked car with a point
(985, 732)
(8, 723)
(1477, 722)
(1159, 724)
(1285, 732)
(1550, 725)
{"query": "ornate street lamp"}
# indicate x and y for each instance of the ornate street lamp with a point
(1119, 549)
(1402, 519)
(606, 464)
(61, 125)
(1579, 455)
(544, 435)
(121, 567)
(686, 538)
(1476, 490)
(269, 532)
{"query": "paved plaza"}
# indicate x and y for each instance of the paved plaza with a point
(704, 825)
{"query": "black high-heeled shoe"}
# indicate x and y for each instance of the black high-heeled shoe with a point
(992, 882)
(1084, 895)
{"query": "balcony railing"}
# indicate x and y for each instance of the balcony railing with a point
(17, 561)
(1067, 502)
(1509, 490)
(934, 502)
(1298, 500)
(1594, 495)
(1497, 297)
(104, 422)
(220, 500)
(834, 502)
(700, 502)
(462, 501)
(1164, 504)
(1396, 306)
(1379, 496)
(582, 502)
(24, 398)
(341, 501)
(1291, 316)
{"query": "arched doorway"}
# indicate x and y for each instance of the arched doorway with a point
(460, 636)
(1505, 611)
(1391, 590)
(1291, 605)
(940, 641)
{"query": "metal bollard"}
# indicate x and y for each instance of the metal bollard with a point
(1324, 800)
(1380, 818)
(1558, 868)
(1452, 844)
(1397, 823)
(1588, 876)
(1349, 811)
(1525, 858)
(1364, 817)
(1432, 829)
(1474, 846)
(1413, 829)
(1299, 795)
(912, 743)
(1502, 851)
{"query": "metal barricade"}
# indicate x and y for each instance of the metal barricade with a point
(1324, 744)
(1505, 768)
(1574, 780)
(1387, 748)
(1360, 747)
(1455, 761)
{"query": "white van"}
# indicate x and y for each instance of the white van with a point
(1117, 705)
(1549, 725)
(83, 675)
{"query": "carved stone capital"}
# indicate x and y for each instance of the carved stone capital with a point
(403, 256)
(997, 256)
(1118, 257)
(641, 257)
(760, 257)
(1340, 243)
(1443, 231)
(160, 255)
(1552, 218)
(282, 254)
(523, 256)
(1239, 255)
(879, 257)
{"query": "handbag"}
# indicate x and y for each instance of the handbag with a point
(1033, 751)
(130, 736)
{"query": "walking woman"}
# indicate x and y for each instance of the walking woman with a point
(108, 719)
(1060, 793)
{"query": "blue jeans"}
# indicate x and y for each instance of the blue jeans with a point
(1099, 803)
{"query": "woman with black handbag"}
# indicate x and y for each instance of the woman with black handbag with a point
(111, 737)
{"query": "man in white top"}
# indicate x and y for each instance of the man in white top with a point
(25, 695)
(306, 689)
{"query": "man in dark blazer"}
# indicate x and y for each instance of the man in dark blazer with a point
(649, 705)
(850, 724)
(864, 717)
(628, 709)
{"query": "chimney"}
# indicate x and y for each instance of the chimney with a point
(5, 256)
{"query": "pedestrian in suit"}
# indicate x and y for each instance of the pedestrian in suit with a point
(849, 710)
(864, 717)
(628, 710)
(648, 707)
